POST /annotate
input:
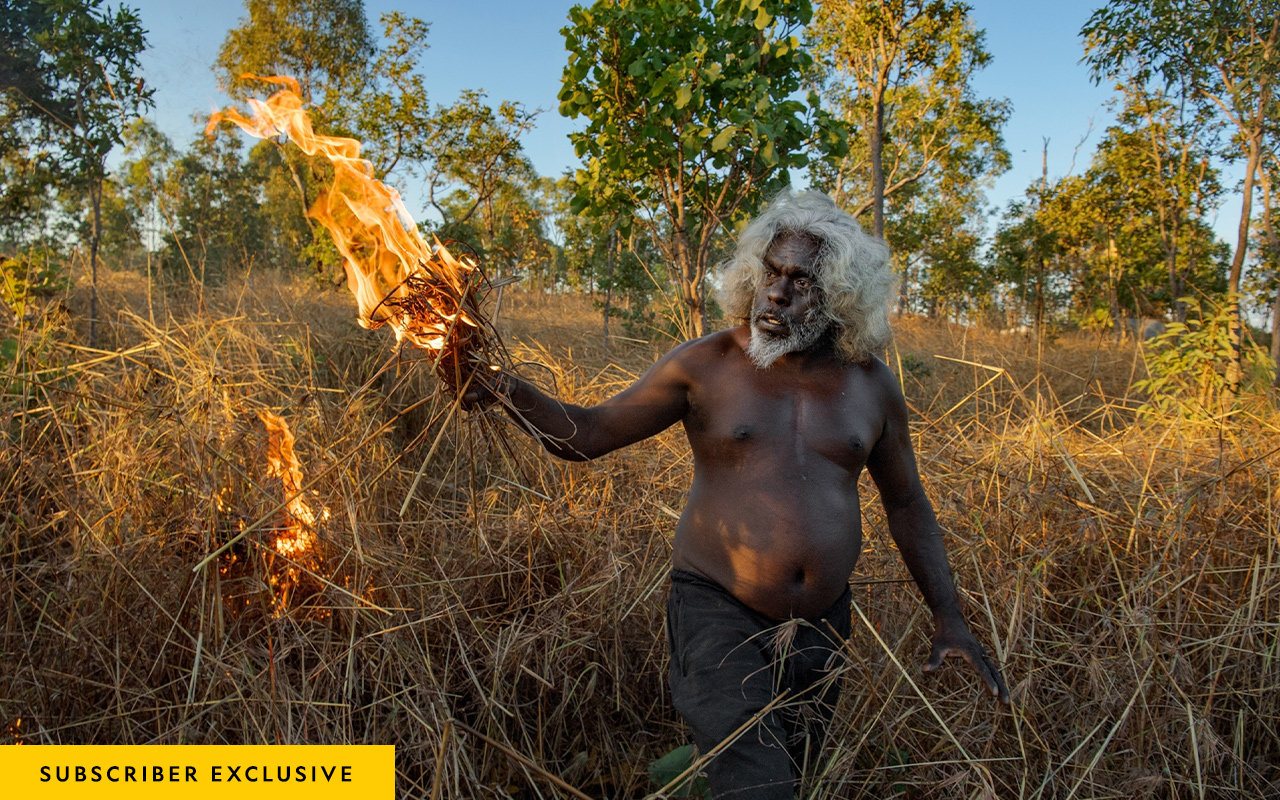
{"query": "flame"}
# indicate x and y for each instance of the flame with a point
(396, 277)
(298, 536)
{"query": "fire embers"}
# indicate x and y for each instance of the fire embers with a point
(427, 296)
(280, 565)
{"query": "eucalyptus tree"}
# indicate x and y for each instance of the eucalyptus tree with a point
(1224, 55)
(899, 73)
(1027, 258)
(80, 59)
(1171, 150)
(470, 153)
(693, 114)
(327, 45)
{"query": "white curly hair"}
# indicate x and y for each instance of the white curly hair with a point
(852, 269)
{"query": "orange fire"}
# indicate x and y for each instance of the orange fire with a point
(299, 534)
(396, 277)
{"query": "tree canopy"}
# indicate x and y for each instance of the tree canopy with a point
(694, 112)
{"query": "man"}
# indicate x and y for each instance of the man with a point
(782, 414)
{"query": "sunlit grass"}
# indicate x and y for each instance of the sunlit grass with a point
(498, 615)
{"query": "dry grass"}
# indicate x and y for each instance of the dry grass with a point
(498, 615)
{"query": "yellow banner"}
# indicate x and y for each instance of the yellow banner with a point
(195, 772)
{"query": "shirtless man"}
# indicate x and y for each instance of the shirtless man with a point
(782, 414)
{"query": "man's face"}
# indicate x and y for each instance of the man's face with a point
(788, 313)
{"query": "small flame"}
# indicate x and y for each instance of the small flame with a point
(396, 277)
(299, 534)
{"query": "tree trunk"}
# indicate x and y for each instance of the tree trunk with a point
(692, 291)
(1113, 291)
(95, 197)
(1275, 335)
(1235, 334)
(877, 166)
(608, 286)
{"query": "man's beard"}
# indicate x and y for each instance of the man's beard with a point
(765, 348)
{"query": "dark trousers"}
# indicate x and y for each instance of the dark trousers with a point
(729, 662)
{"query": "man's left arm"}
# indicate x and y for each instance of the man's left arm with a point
(914, 528)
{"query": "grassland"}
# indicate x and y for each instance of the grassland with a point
(498, 615)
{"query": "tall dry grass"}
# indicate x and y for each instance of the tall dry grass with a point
(498, 615)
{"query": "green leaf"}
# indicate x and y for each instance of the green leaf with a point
(683, 95)
(666, 769)
(723, 138)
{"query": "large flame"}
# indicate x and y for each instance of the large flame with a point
(396, 277)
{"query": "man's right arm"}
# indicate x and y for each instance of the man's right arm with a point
(656, 401)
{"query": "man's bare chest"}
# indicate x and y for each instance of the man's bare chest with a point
(779, 426)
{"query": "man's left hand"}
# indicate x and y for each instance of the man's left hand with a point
(956, 640)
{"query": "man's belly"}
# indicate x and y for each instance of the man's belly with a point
(787, 554)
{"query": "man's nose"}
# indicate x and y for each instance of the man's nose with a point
(779, 292)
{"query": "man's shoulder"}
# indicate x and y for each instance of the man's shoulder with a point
(712, 346)
(874, 374)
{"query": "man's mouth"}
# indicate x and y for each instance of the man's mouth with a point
(772, 324)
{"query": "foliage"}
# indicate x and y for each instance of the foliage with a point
(1186, 365)
(27, 93)
(219, 223)
(468, 153)
(1225, 56)
(31, 276)
(666, 769)
(392, 113)
(326, 44)
(1026, 261)
(692, 118)
(899, 74)
(1124, 238)
(472, 152)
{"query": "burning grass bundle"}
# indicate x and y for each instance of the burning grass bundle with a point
(428, 297)
(468, 342)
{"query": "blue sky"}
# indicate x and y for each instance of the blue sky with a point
(514, 51)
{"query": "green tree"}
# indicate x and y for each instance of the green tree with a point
(1225, 56)
(328, 46)
(393, 116)
(1169, 150)
(89, 66)
(218, 221)
(899, 73)
(1106, 239)
(149, 154)
(1026, 258)
(471, 153)
(28, 104)
(325, 44)
(692, 118)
